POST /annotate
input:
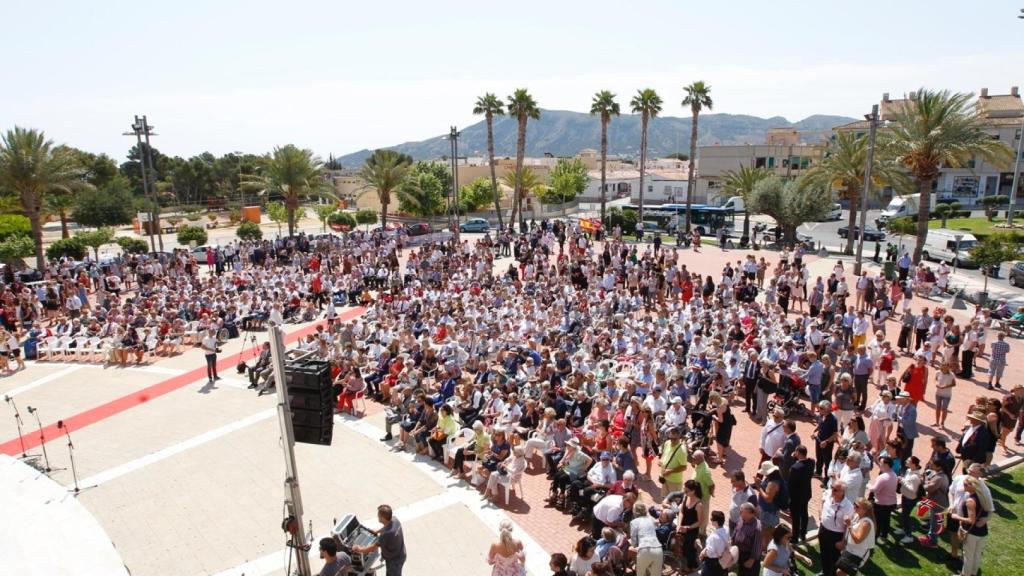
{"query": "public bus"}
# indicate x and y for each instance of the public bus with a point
(706, 220)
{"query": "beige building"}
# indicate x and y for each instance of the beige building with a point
(783, 153)
(1003, 113)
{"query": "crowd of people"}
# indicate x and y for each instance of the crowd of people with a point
(613, 366)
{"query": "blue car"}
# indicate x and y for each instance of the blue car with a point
(475, 225)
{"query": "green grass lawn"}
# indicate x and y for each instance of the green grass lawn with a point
(1003, 554)
(972, 225)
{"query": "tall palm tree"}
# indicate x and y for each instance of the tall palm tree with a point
(527, 181)
(647, 103)
(842, 171)
(34, 169)
(605, 106)
(490, 106)
(741, 183)
(385, 170)
(939, 128)
(293, 173)
(523, 107)
(698, 97)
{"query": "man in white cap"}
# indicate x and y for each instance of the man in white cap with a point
(675, 416)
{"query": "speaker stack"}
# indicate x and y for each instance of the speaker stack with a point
(311, 398)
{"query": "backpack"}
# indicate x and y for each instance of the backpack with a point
(729, 557)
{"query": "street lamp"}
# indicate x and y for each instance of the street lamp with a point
(873, 119)
(139, 128)
(241, 190)
(453, 136)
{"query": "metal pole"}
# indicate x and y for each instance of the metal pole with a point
(137, 128)
(455, 178)
(1016, 175)
(451, 193)
(293, 496)
(867, 188)
(154, 209)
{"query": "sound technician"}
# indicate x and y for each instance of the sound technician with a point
(390, 542)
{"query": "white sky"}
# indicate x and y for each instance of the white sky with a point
(340, 76)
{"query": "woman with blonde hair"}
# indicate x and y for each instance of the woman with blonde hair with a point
(973, 517)
(860, 539)
(506, 556)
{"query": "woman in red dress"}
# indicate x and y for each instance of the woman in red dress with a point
(687, 291)
(918, 379)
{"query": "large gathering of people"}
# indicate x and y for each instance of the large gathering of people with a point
(619, 372)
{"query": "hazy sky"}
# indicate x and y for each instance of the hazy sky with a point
(340, 76)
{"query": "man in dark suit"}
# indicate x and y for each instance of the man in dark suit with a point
(788, 449)
(262, 363)
(799, 483)
(751, 368)
(975, 440)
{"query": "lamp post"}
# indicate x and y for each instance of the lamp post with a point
(873, 119)
(453, 136)
(241, 190)
(1016, 172)
(140, 127)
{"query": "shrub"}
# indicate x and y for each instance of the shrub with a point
(71, 247)
(342, 219)
(13, 225)
(249, 231)
(133, 245)
(992, 204)
(366, 217)
(188, 234)
(234, 216)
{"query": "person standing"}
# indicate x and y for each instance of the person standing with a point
(997, 361)
(973, 518)
(747, 539)
(799, 485)
(906, 417)
(209, 345)
(506, 556)
(702, 475)
(644, 543)
(826, 433)
(836, 513)
(884, 487)
(863, 367)
(673, 463)
(715, 547)
(390, 542)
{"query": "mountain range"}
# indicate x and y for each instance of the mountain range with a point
(565, 133)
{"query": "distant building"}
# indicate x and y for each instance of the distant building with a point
(1003, 114)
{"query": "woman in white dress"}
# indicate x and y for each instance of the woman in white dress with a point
(506, 556)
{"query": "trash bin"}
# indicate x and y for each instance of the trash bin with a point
(890, 270)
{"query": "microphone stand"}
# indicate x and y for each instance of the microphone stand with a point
(18, 422)
(71, 453)
(42, 440)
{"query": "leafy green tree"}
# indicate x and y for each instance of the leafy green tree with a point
(96, 238)
(605, 106)
(13, 250)
(842, 170)
(188, 234)
(935, 129)
(789, 203)
(295, 174)
(323, 212)
(647, 104)
(490, 106)
(421, 193)
(569, 178)
(741, 183)
(476, 195)
(698, 97)
(626, 219)
(904, 226)
(14, 225)
(993, 251)
(991, 204)
(278, 214)
(111, 206)
(132, 245)
(523, 107)
(99, 170)
(72, 248)
(33, 168)
(944, 211)
(367, 217)
(342, 221)
(250, 231)
(384, 171)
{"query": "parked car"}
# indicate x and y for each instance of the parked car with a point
(1016, 277)
(870, 234)
(475, 225)
(200, 253)
(419, 229)
(835, 213)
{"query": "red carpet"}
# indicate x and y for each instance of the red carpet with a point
(114, 407)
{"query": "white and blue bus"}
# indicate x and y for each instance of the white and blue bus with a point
(706, 220)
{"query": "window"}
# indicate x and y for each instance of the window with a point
(668, 189)
(759, 162)
(771, 161)
(650, 188)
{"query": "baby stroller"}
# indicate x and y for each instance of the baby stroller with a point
(787, 397)
(698, 437)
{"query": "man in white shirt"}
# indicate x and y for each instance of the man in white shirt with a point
(836, 513)
(656, 401)
(675, 416)
(209, 345)
(851, 476)
(773, 435)
(608, 512)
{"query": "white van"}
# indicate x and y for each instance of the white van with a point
(942, 244)
(836, 213)
(734, 203)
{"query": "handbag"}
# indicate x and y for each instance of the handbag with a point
(729, 557)
(438, 435)
(905, 378)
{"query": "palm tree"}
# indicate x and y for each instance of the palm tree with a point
(741, 183)
(605, 106)
(527, 181)
(293, 173)
(698, 97)
(420, 194)
(523, 107)
(647, 103)
(939, 128)
(842, 170)
(490, 106)
(385, 170)
(34, 169)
